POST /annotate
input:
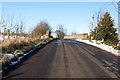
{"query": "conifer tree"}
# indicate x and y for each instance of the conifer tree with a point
(105, 29)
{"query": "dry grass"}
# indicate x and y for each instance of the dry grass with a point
(9, 45)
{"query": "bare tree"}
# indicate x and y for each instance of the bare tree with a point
(74, 31)
(117, 9)
(91, 28)
(7, 25)
(41, 29)
(22, 26)
(3, 23)
(115, 5)
(95, 19)
(119, 22)
(60, 32)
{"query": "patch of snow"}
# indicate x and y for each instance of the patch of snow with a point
(102, 46)
(27, 53)
(1, 39)
(24, 54)
(38, 47)
(32, 50)
(44, 42)
(10, 55)
(23, 37)
(6, 68)
(0, 71)
(35, 45)
(18, 53)
(19, 59)
(15, 62)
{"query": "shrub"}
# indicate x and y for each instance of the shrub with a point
(6, 60)
(18, 53)
(111, 42)
(117, 47)
(14, 59)
(99, 36)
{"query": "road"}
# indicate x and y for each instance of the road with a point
(65, 59)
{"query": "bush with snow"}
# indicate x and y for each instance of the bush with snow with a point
(17, 53)
(7, 58)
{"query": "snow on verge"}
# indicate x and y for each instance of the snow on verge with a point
(9, 55)
(0, 71)
(102, 46)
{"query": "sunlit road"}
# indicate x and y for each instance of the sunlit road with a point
(66, 59)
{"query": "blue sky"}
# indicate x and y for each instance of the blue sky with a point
(74, 16)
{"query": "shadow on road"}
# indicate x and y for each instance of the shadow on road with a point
(13, 75)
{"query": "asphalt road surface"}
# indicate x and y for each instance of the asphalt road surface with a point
(67, 59)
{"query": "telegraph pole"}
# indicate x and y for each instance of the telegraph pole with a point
(119, 34)
(119, 25)
(92, 25)
(119, 21)
(92, 21)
